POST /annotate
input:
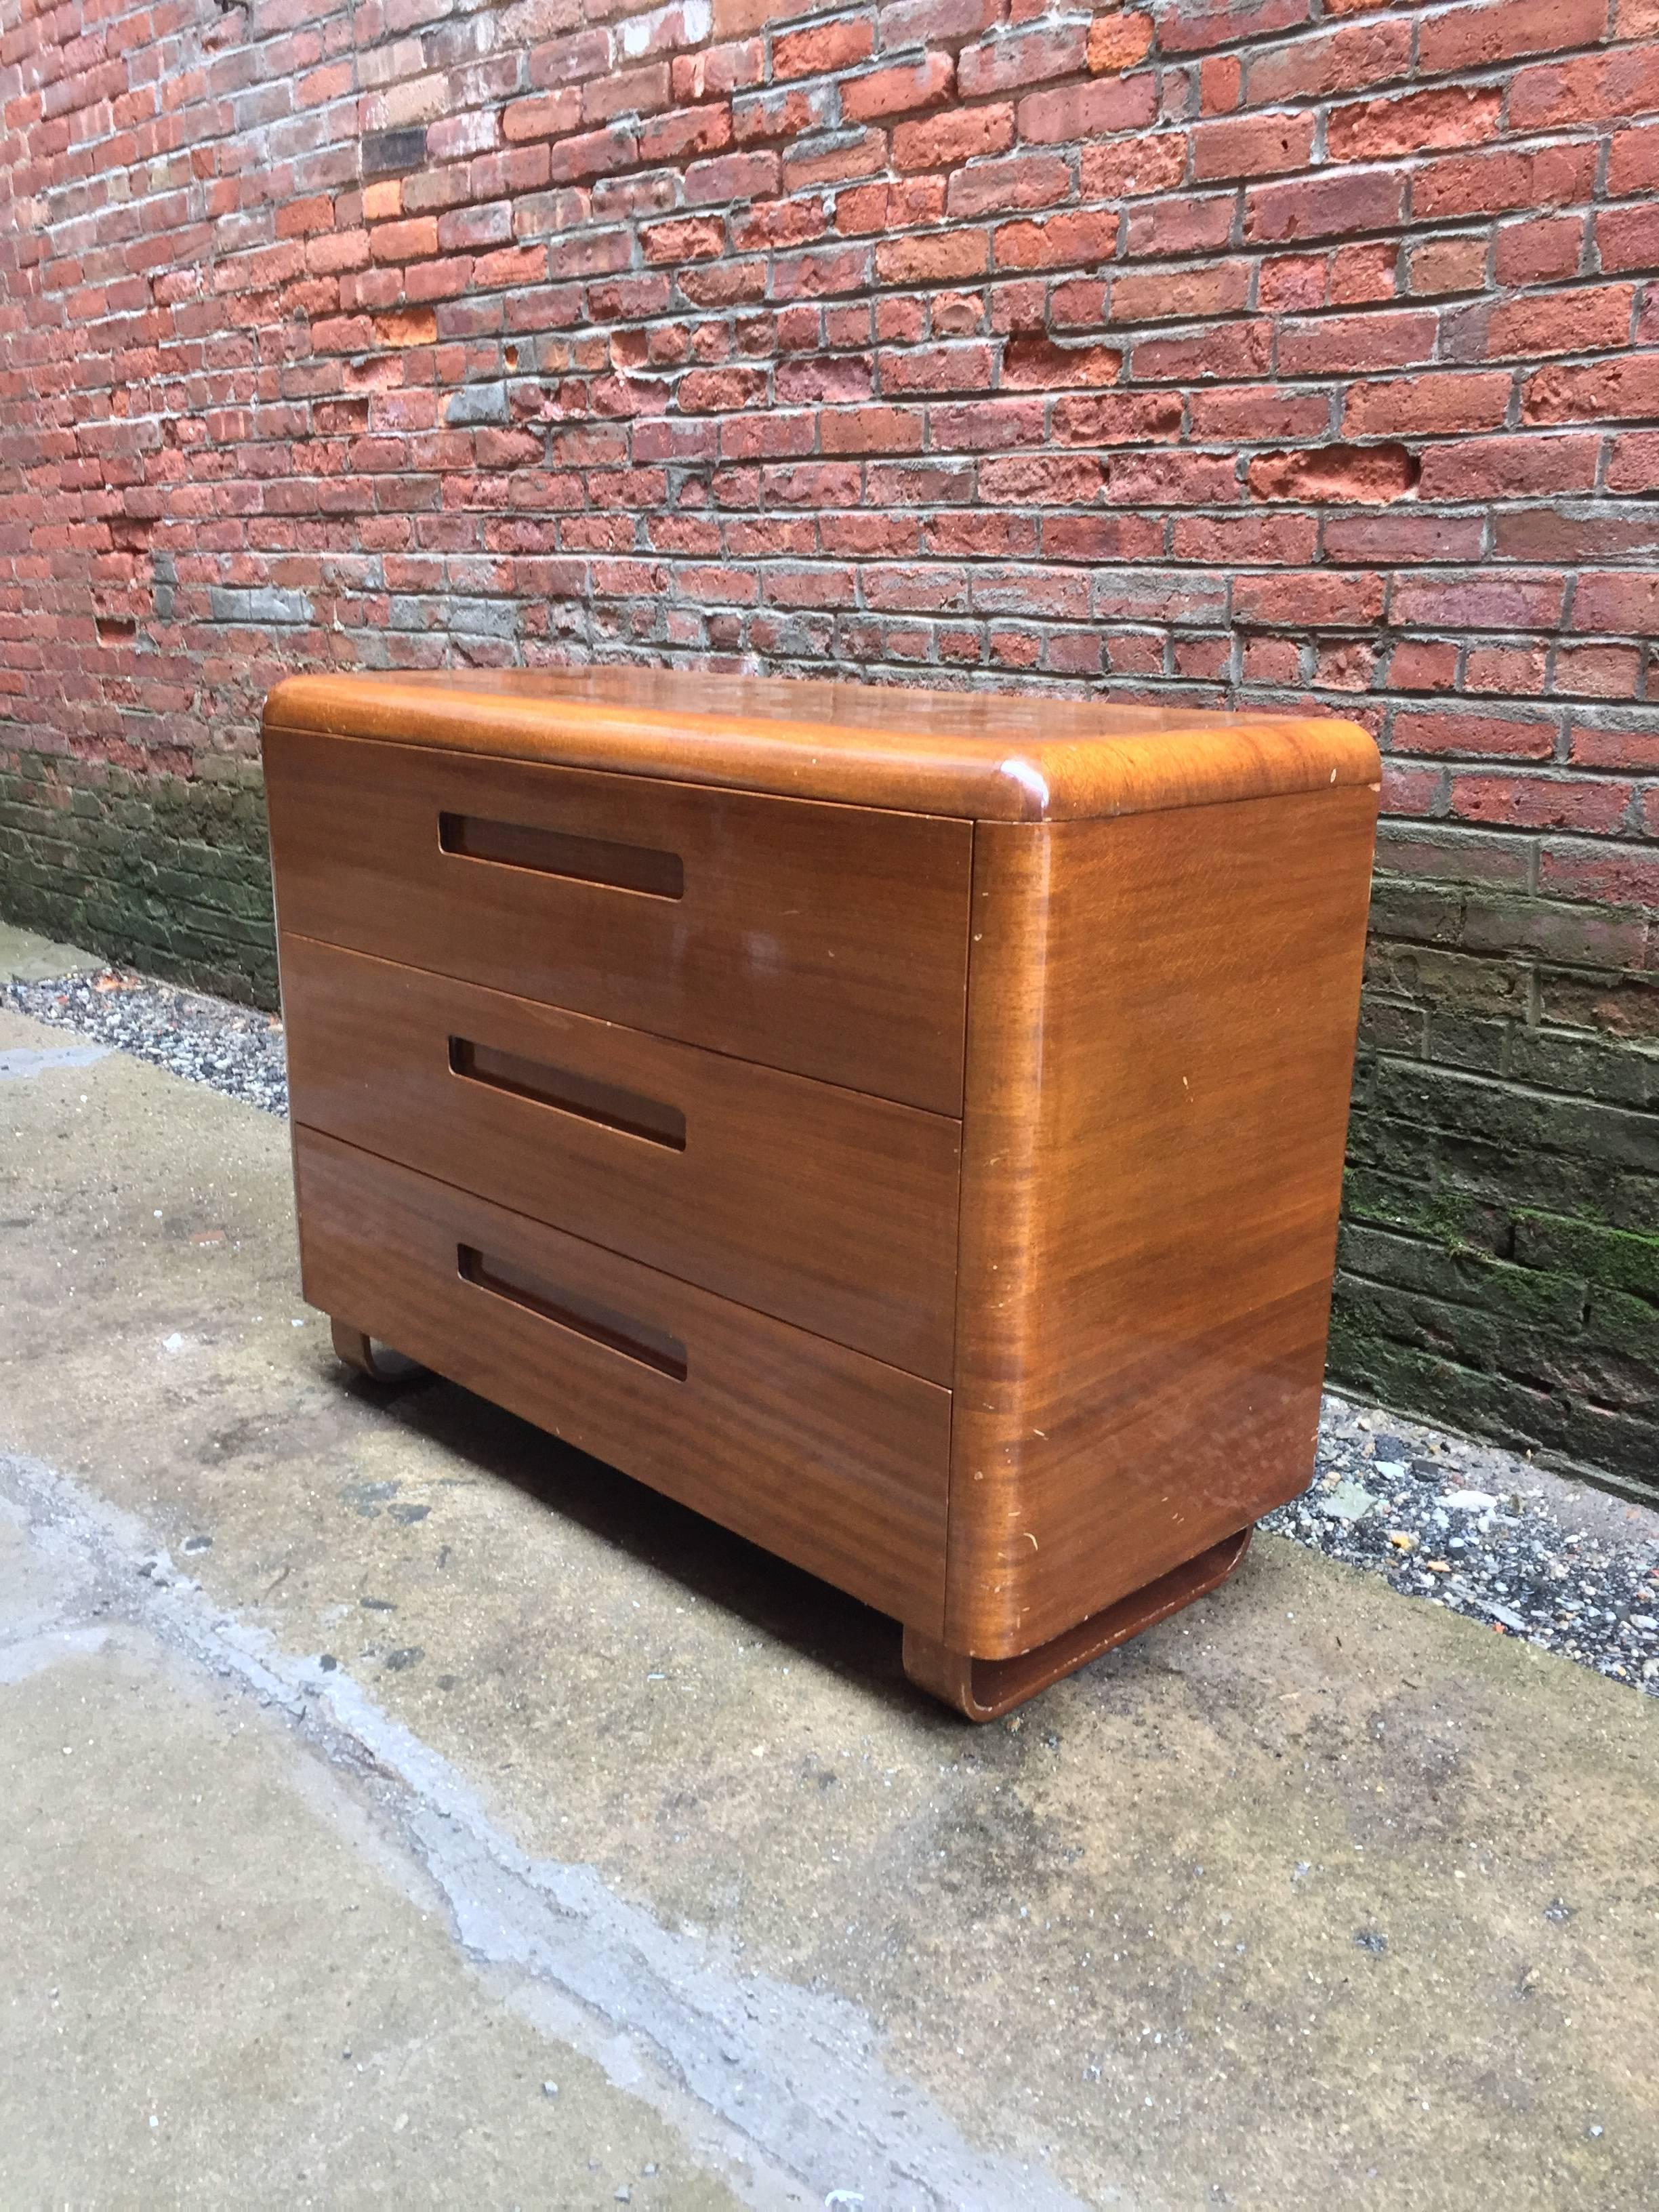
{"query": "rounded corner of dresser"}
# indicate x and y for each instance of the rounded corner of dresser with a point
(1354, 757)
(289, 705)
(1023, 787)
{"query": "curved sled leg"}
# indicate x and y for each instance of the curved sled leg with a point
(379, 1363)
(985, 1689)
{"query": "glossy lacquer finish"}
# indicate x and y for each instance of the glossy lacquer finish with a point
(834, 1460)
(828, 940)
(983, 755)
(829, 1209)
(1160, 1044)
(907, 1128)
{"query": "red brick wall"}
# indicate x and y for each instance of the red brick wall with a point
(1282, 351)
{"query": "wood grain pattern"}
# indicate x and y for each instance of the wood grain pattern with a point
(1160, 1031)
(833, 1460)
(830, 941)
(824, 1208)
(980, 755)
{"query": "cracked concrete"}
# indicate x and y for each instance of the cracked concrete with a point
(1311, 1894)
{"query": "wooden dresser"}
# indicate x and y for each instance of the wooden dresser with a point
(904, 1126)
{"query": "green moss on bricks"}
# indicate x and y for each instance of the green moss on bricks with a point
(1625, 1259)
(1465, 1226)
(167, 873)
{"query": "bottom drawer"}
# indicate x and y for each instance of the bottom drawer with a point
(824, 1455)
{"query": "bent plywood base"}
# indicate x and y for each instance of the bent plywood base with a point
(985, 1689)
(377, 1361)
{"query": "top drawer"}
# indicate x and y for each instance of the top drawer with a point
(828, 940)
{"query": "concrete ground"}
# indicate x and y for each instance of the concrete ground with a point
(398, 1807)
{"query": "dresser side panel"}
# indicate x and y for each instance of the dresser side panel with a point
(1161, 1028)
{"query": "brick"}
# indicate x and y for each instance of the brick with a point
(1632, 461)
(1622, 602)
(1042, 479)
(732, 177)
(1165, 478)
(711, 390)
(1367, 474)
(823, 48)
(937, 368)
(1440, 401)
(1507, 468)
(1483, 33)
(1454, 735)
(698, 238)
(547, 115)
(1180, 225)
(1035, 363)
(1013, 58)
(1554, 95)
(1627, 237)
(1633, 162)
(1440, 265)
(898, 91)
(1598, 392)
(1593, 808)
(1210, 23)
(1350, 344)
(404, 241)
(1180, 293)
(1059, 241)
(1308, 599)
(1323, 207)
(1491, 183)
(1117, 418)
(1226, 350)
(1133, 167)
(1118, 41)
(872, 430)
(1251, 146)
(947, 257)
(1086, 110)
(1345, 60)
(1589, 319)
(1601, 671)
(1376, 130)
(1492, 599)
(1534, 250)
(1024, 180)
(390, 153)
(959, 135)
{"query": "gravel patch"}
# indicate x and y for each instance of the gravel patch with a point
(1447, 1520)
(234, 1049)
(1485, 1533)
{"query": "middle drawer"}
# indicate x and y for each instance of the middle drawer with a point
(822, 1206)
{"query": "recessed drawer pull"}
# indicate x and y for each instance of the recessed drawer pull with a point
(607, 1103)
(637, 1340)
(555, 852)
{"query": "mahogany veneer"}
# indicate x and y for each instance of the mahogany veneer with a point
(905, 1127)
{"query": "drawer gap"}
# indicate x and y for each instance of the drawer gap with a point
(557, 853)
(586, 1316)
(608, 1103)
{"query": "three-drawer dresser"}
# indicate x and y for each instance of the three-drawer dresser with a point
(904, 1126)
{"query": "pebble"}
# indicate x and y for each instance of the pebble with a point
(1347, 1502)
(1464, 1525)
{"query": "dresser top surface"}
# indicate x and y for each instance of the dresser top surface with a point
(985, 756)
